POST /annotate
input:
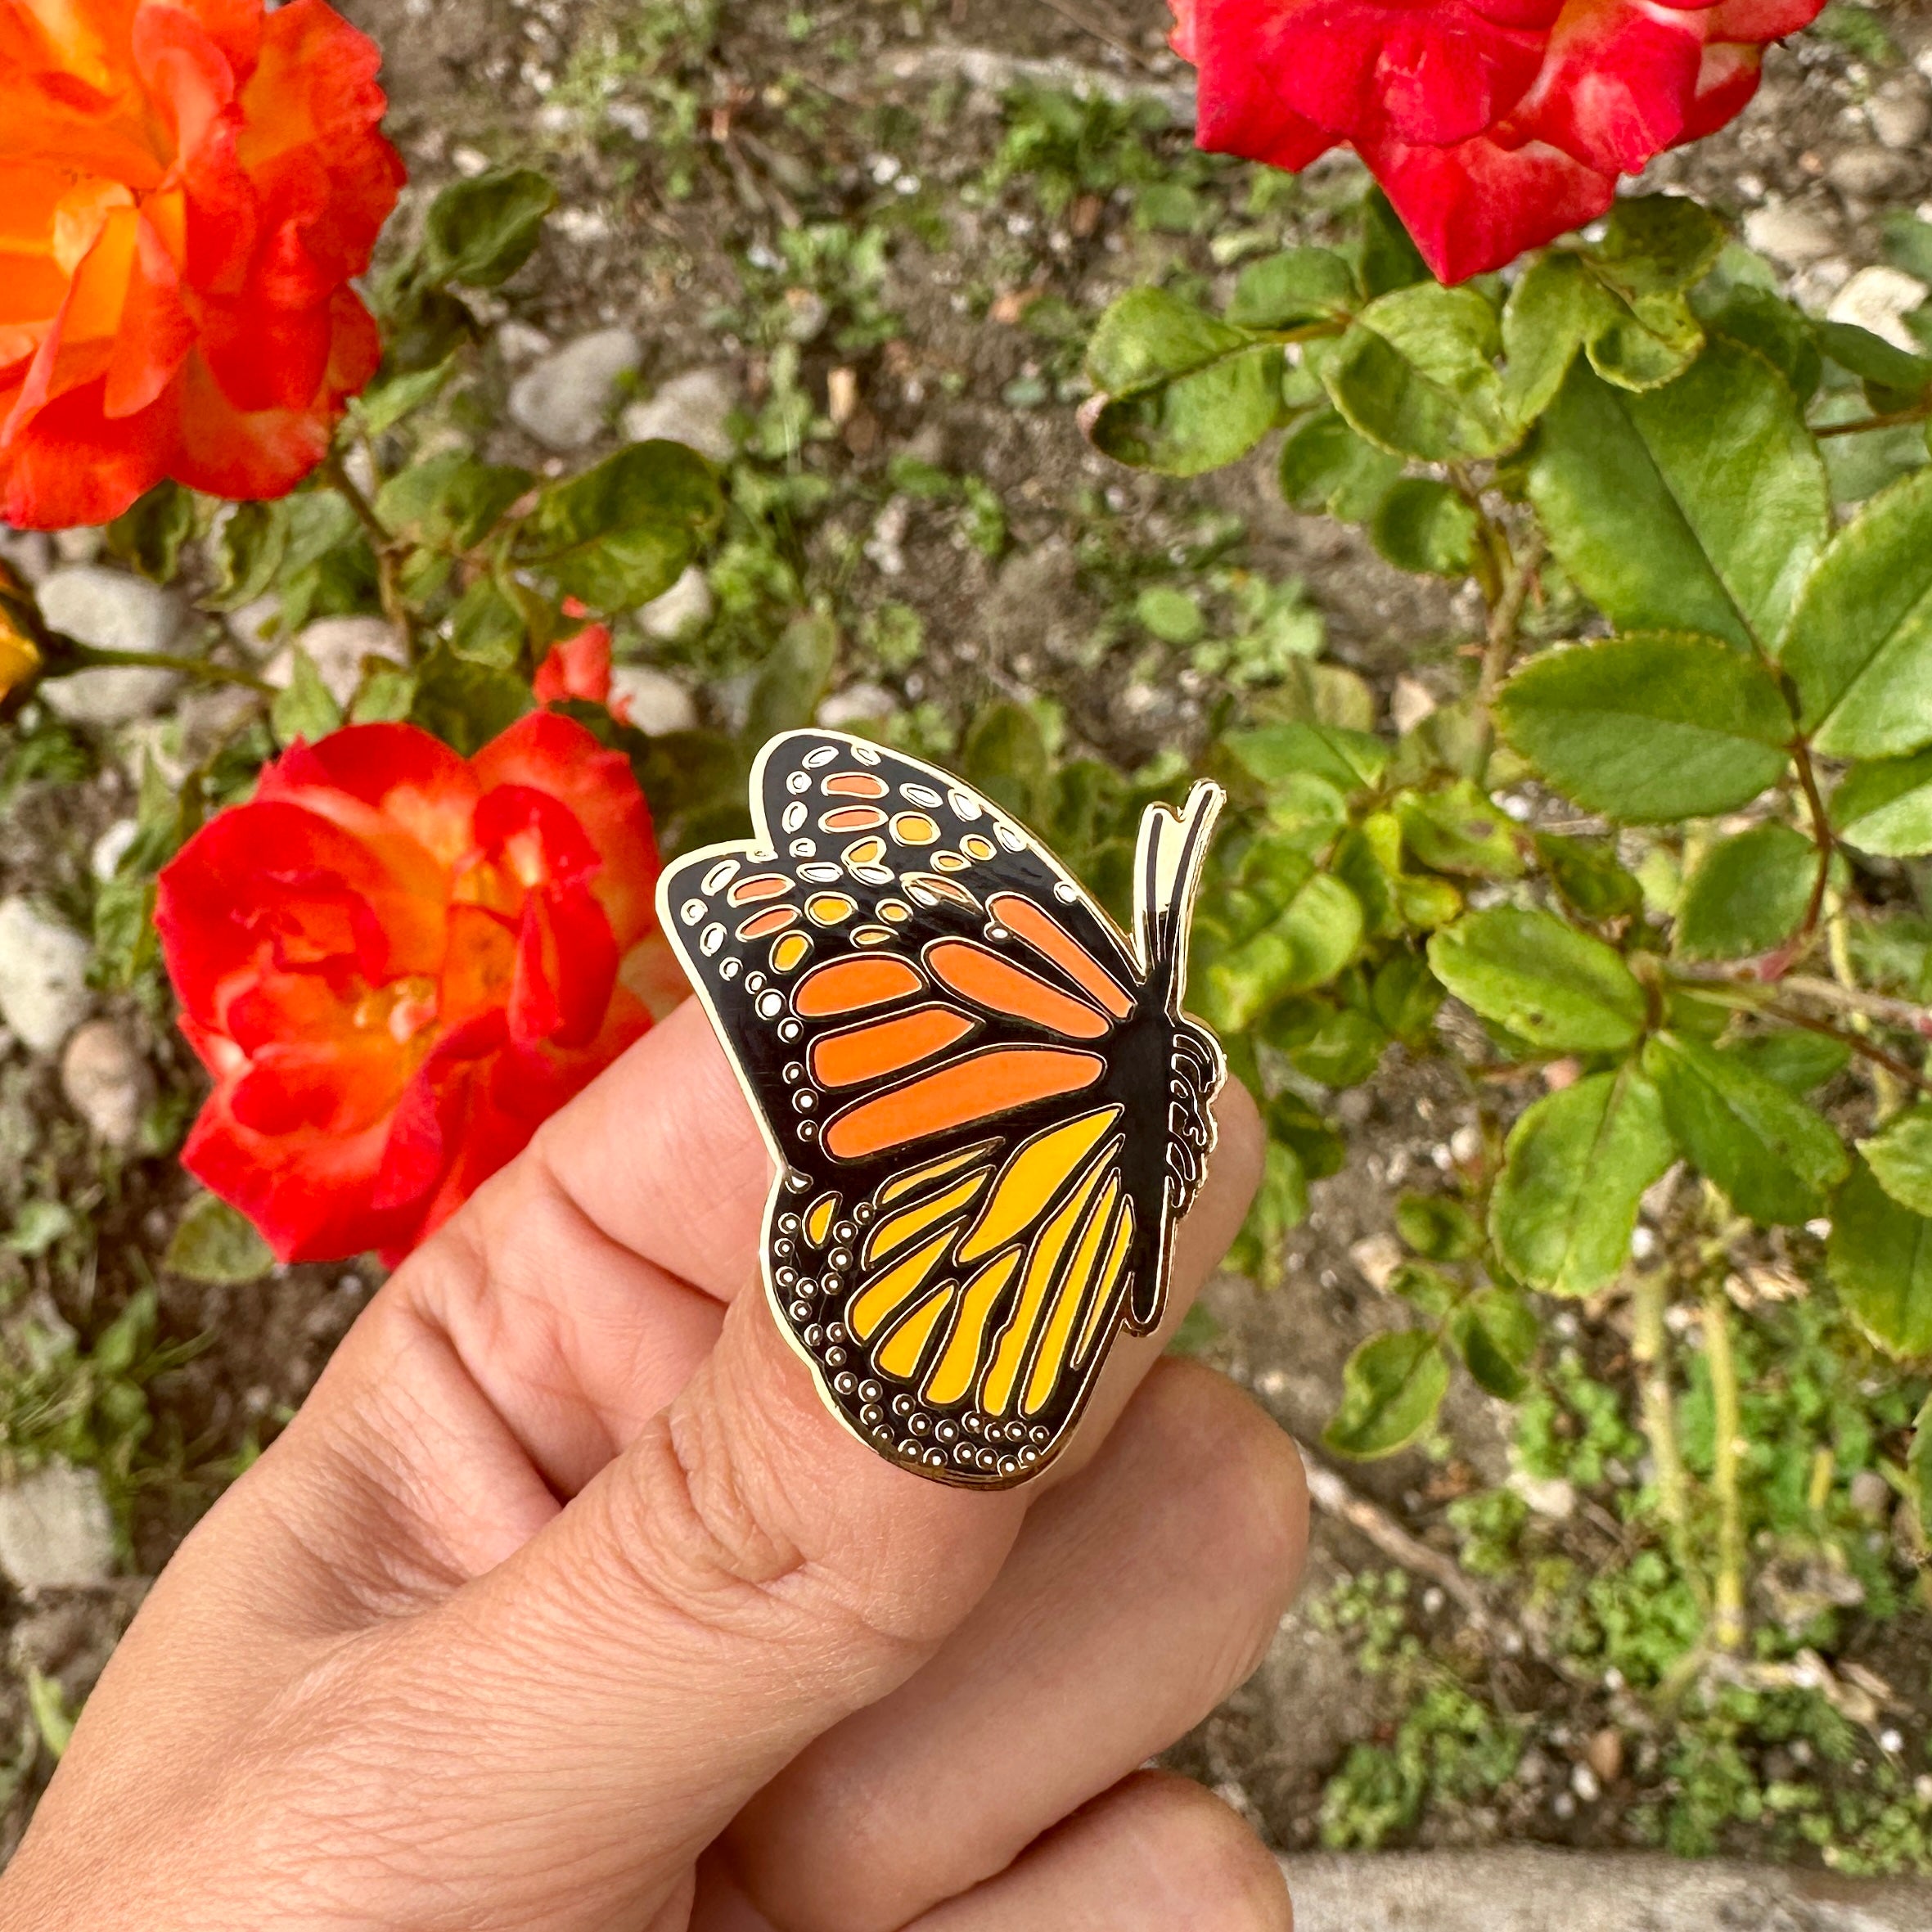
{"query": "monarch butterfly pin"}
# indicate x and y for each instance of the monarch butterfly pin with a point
(987, 1109)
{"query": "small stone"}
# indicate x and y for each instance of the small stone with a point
(1583, 1782)
(517, 342)
(337, 647)
(1900, 112)
(565, 399)
(1866, 172)
(687, 607)
(254, 626)
(106, 1082)
(1553, 1497)
(43, 976)
(79, 546)
(651, 701)
(1790, 236)
(857, 704)
(113, 610)
(1604, 1754)
(694, 408)
(1377, 1256)
(1879, 300)
(105, 855)
(56, 1533)
(31, 552)
(1409, 703)
(1870, 1495)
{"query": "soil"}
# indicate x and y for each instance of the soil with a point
(486, 78)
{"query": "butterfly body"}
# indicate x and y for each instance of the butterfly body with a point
(986, 1110)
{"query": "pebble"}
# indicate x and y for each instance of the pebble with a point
(1879, 299)
(565, 399)
(31, 552)
(1409, 703)
(517, 342)
(687, 606)
(1554, 1497)
(1604, 1754)
(106, 1082)
(1788, 236)
(857, 704)
(56, 1533)
(337, 647)
(43, 977)
(1870, 1495)
(105, 855)
(1900, 112)
(694, 408)
(112, 610)
(656, 703)
(1377, 1256)
(1868, 172)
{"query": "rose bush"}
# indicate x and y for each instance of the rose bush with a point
(185, 191)
(396, 962)
(1493, 125)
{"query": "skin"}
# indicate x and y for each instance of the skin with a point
(564, 1604)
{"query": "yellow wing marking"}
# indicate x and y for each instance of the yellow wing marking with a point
(1042, 1264)
(1102, 1298)
(901, 1184)
(818, 1218)
(1074, 1290)
(1032, 1178)
(905, 1348)
(896, 1230)
(875, 1304)
(952, 1380)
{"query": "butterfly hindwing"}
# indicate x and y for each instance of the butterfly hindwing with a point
(964, 1080)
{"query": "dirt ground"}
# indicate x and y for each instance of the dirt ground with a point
(831, 113)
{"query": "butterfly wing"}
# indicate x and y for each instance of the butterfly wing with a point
(960, 1074)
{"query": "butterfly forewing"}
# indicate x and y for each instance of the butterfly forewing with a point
(965, 1082)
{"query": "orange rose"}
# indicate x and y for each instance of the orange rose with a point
(397, 963)
(185, 191)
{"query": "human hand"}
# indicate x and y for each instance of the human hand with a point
(563, 1603)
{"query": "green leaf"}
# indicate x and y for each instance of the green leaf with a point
(1900, 1154)
(1879, 1259)
(450, 499)
(1327, 467)
(1277, 927)
(1438, 1226)
(1459, 828)
(213, 1243)
(793, 680)
(1648, 727)
(1886, 808)
(1799, 1062)
(304, 710)
(1589, 877)
(466, 704)
(1769, 1152)
(1423, 1287)
(149, 534)
(489, 623)
(249, 544)
(622, 534)
(1392, 1387)
(1641, 331)
(39, 1225)
(1893, 377)
(46, 1705)
(1860, 642)
(1783, 336)
(379, 408)
(1700, 505)
(1554, 987)
(1350, 761)
(1545, 320)
(1385, 258)
(1747, 895)
(1425, 527)
(1575, 1167)
(1170, 614)
(1287, 290)
(480, 232)
(1496, 1333)
(1416, 374)
(1339, 1047)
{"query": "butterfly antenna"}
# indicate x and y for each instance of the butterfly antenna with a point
(1168, 862)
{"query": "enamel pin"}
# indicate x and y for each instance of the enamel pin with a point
(987, 1109)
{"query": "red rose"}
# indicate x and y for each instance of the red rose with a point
(579, 667)
(1494, 125)
(397, 963)
(185, 191)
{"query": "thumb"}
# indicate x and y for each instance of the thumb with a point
(745, 1575)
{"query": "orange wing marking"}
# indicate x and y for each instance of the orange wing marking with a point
(851, 985)
(957, 1368)
(874, 1305)
(853, 819)
(902, 1352)
(1045, 935)
(901, 1184)
(994, 1080)
(855, 785)
(1103, 1298)
(896, 1230)
(1031, 1180)
(879, 1046)
(774, 919)
(767, 885)
(982, 976)
(1045, 1376)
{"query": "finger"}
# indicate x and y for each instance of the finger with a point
(1155, 1854)
(741, 1578)
(1136, 1598)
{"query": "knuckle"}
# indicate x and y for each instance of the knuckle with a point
(1220, 1876)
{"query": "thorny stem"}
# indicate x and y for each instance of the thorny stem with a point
(202, 670)
(1822, 835)
(382, 540)
(1648, 1344)
(1893, 420)
(1761, 1002)
(1728, 1616)
(1506, 617)
(1884, 1083)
